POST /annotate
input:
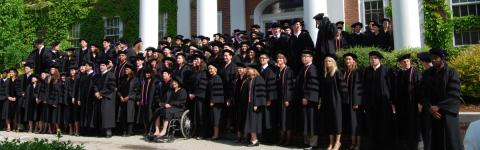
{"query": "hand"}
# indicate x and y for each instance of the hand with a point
(228, 103)
(211, 104)
(393, 109)
(37, 100)
(420, 107)
(55, 106)
(168, 105)
(286, 103)
(44, 102)
(191, 96)
(437, 115)
(305, 102)
(97, 94)
(355, 107)
(78, 103)
(434, 109)
(318, 106)
(125, 99)
(73, 100)
(269, 103)
(138, 103)
(255, 108)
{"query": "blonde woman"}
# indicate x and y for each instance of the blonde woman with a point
(255, 97)
(333, 93)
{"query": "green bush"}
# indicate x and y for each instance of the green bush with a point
(38, 144)
(467, 63)
(437, 24)
(390, 57)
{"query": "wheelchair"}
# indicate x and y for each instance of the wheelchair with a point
(182, 121)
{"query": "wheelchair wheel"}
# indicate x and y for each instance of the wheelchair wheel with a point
(186, 125)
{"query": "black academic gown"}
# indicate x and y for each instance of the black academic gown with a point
(298, 44)
(103, 115)
(442, 89)
(55, 94)
(128, 87)
(197, 85)
(286, 92)
(182, 73)
(333, 93)
(239, 103)
(356, 40)
(13, 89)
(177, 100)
(271, 119)
(25, 80)
(68, 106)
(308, 88)
(3, 94)
(353, 119)
(325, 39)
(149, 95)
(42, 107)
(405, 99)
(379, 113)
(255, 96)
(278, 44)
(380, 40)
(41, 59)
(86, 97)
(215, 96)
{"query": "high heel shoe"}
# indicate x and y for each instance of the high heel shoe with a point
(253, 143)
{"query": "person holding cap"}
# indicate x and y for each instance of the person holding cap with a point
(405, 98)
(378, 104)
(441, 88)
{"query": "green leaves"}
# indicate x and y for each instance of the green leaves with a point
(437, 24)
(38, 144)
(466, 23)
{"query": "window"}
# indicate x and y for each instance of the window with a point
(219, 22)
(466, 8)
(374, 10)
(74, 36)
(113, 28)
(162, 25)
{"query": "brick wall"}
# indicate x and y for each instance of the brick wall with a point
(224, 7)
(351, 11)
(250, 8)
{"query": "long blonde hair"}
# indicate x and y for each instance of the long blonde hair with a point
(54, 77)
(330, 71)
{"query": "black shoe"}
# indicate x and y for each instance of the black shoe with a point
(253, 144)
(239, 140)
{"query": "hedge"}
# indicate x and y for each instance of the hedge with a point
(38, 144)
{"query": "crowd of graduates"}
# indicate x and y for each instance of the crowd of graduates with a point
(262, 87)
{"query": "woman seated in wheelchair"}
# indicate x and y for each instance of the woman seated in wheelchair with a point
(174, 103)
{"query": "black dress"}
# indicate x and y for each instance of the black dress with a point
(255, 96)
(308, 88)
(353, 119)
(55, 93)
(86, 97)
(442, 89)
(42, 107)
(216, 96)
(103, 115)
(333, 93)
(378, 107)
(405, 99)
(68, 106)
(286, 92)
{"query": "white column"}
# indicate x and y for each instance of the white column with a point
(183, 18)
(310, 9)
(237, 15)
(406, 26)
(149, 23)
(336, 10)
(207, 18)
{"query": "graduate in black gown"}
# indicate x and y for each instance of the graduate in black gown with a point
(405, 99)
(299, 41)
(333, 93)
(174, 103)
(13, 94)
(356, 38)
(29, 102)
(353, 115)
(146, 102)
(128, 92)
(68, 86)
(196, 87)
(285, 91)
(103, 115)
(378, 104)
(256, 101)
(3, 88)
(74, 109)
(425, 116)
(25, 80)
(308, 93)
(54, 97)
(182, 70)
(41, 103)
(228, 73)
(86, 94)
(325, 43)
(442, 99)
(239, 103)
(273, 107)
(216, 99)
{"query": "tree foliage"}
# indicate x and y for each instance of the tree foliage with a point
(437, 24)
